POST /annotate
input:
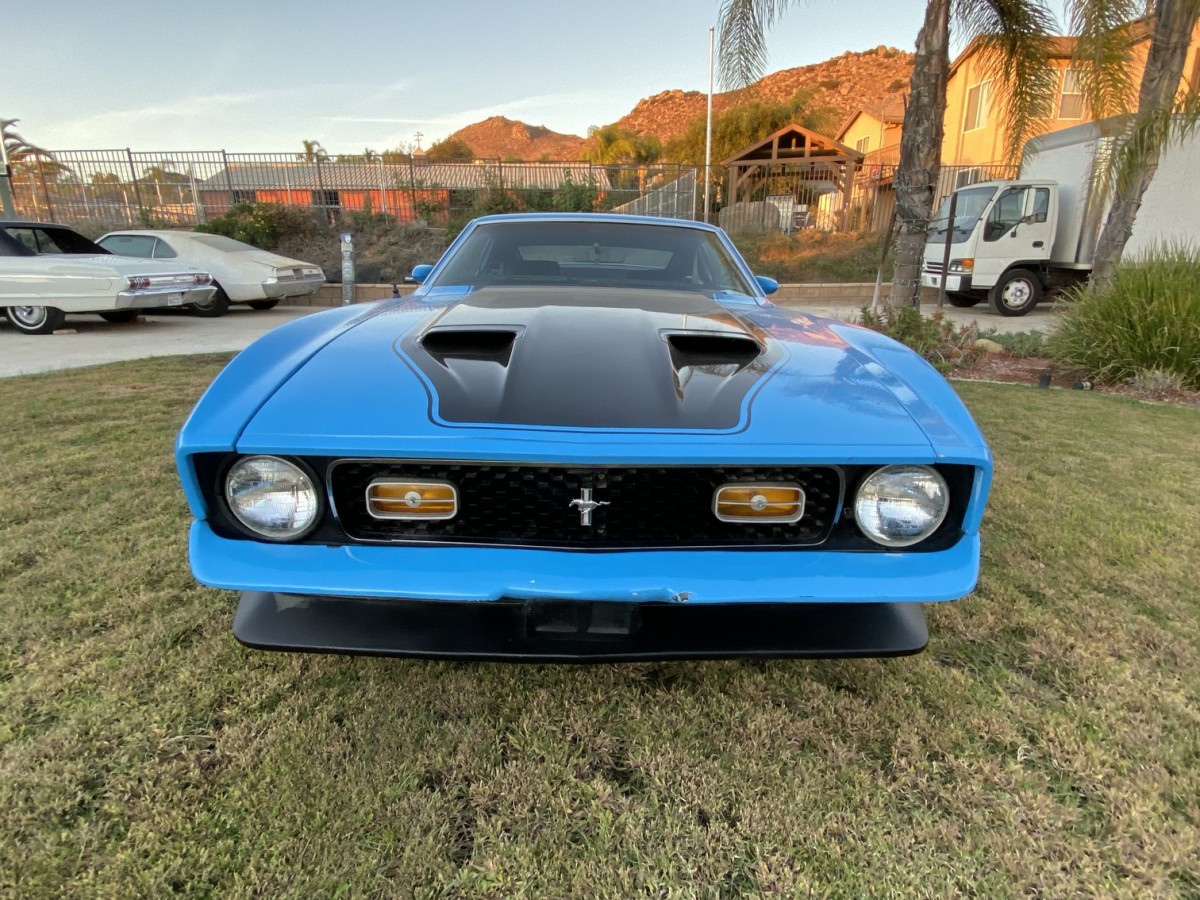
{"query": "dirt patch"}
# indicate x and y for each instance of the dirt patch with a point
(1047, 373)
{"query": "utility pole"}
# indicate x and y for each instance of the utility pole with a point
(708, 133)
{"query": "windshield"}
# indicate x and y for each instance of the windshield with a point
(590, 253)
(971, 204)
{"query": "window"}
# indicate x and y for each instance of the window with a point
(1008, 211)
(863, 145)
(162, 251)
(1041, 204)
(129, 245)
(977, 106)
(1070, 101)
(964, 177)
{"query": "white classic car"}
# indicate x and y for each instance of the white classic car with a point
(241, 272)
(47, 271)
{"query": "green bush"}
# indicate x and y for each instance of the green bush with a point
(1022, 344)
(1145, 320)
(945, 345)
(257, 223)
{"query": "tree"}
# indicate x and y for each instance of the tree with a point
(615, 147)
(313, 151)
(1164, 113)
(746, 123)
(1014, 36)
(452, 149)
(169, 186)
(19, 153)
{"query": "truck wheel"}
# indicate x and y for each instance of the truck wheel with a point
(216, 305)
(1016, 293)
(963, 301)
(36, 319)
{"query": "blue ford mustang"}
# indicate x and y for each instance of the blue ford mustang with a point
(584, 437)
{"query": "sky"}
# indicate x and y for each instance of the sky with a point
(261, 75)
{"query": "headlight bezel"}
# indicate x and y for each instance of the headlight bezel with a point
(305, 470)
(893, 469)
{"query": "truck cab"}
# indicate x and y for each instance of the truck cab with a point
(1001, 241)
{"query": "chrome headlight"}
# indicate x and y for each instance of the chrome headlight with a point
(272, 497)
(898, 506)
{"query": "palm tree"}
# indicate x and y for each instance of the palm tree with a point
(1014, 35)
(314, 152)
(1014, 40)
(16, 149)
(1164, 112)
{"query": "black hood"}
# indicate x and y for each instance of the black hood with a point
(590, 358)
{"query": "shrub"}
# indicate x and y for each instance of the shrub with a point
(1146, 319)
(945, 345)
(260, 224)
(812, 255)
(1022, 344)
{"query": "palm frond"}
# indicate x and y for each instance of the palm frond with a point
(1015, 42)
(741, 39)
(1101, 58)
(1147, 134)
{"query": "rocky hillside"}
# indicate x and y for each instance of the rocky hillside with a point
(844, 83)
(501, 138)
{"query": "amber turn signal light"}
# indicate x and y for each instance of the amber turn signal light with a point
(412, 500)
(761, 503)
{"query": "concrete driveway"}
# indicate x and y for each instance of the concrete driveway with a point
(97, 341)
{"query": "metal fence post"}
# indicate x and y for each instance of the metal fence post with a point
(321, 188)
(382, 190)
(137, 188)
(228, 177)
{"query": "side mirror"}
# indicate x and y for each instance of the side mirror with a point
(768, 285)
(420, 273)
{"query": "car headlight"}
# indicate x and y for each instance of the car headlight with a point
(272, 497)
(898, 506)
(962, 266)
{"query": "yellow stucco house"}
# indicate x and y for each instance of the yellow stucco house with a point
(974, 135)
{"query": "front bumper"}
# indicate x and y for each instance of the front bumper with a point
(160, 296)
(954, 283)
(490, 574)
(569, 631)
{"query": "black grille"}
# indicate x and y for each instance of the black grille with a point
(531, 505)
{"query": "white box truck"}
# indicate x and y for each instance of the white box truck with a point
(1011, 241)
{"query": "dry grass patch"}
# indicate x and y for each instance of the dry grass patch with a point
(1047, 743)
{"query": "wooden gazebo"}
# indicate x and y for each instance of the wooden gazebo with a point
(799, 162)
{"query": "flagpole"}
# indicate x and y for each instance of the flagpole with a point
(708, 132)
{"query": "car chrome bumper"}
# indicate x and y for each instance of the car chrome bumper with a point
(159, 296)
(301, 287)
(572, 631)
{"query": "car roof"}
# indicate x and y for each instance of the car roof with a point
(30, 223)
(615, 218)
(159, 233)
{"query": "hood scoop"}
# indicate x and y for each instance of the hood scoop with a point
(482, 344)
(589, 358)
(694, 350)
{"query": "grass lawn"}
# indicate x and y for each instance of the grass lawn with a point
(1047, 742)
